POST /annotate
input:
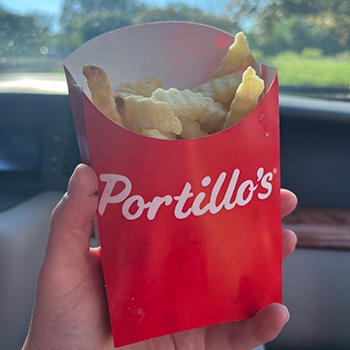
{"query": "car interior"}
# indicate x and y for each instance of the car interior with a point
(39, 151)
(39, 142)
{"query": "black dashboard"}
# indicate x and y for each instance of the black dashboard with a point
(38, 147)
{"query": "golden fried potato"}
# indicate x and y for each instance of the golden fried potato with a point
(222, 89)
(191, 130)
(246, 99)
(102, 92)
(191, 107)
(119, 100)
(127, 88)
(143, 113)
(157, 134)
(142, 87)
(148, 109)
(237, 53)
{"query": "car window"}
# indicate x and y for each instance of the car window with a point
(308, 41)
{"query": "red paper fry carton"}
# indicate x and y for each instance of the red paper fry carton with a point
(190, 230)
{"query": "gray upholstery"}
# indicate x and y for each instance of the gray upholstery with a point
(316, 285)
(23, 237)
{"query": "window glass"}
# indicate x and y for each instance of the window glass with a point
(309, 41)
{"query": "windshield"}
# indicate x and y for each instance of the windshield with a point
(308, 41)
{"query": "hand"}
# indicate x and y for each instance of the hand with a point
(71, 312)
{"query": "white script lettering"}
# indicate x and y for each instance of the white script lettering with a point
(187, 202)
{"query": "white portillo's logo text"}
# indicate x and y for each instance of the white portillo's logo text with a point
(237, 194)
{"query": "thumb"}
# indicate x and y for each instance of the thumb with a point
(71, 306)
(72, 219)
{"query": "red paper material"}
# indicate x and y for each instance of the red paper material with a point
(190, 230)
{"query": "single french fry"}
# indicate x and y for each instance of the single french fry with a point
(246, 99)
(102, 94)
(192, 130)
(237, 53)
(142, 87)
(143, 113)
(157, 134)
(222, 89)
(191, 108)
(127, 88)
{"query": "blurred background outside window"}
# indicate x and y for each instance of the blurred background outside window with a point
(309, 41)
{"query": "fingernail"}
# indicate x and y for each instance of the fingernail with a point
(72, 178)
(288, 315)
